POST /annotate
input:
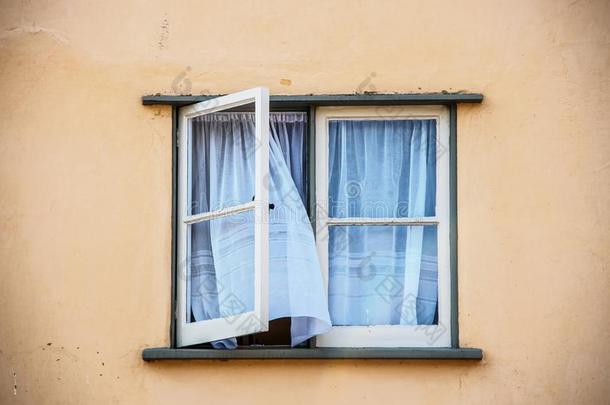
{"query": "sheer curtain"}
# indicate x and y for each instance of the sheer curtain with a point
(221, 282)
(382, 275)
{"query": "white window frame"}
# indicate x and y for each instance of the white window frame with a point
(189, 333)
(389, 335)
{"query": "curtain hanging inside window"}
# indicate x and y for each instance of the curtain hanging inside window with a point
(382, 275)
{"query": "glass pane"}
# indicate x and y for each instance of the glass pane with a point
(220, 272)
(383, 275)
(382, 168)
(222, 162)
(288, 131)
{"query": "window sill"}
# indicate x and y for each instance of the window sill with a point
(163, 353)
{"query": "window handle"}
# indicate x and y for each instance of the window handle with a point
(271, 205)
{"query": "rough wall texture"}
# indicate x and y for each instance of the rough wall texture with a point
(85, 190)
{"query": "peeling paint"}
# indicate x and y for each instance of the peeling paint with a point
(164, 33)
(32, 29)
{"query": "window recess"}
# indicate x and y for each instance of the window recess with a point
(422, 325)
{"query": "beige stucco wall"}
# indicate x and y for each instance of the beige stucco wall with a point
(85, 190)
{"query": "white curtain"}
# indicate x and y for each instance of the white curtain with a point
(382, 275)
(222, 271)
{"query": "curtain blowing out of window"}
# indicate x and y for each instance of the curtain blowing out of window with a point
(223, 146)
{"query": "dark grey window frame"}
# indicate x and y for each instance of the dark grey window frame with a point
(309, 103)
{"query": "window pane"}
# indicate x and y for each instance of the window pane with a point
(383, 275)
(220, 282)
(222, 161)
(382, 168)
(288, 130)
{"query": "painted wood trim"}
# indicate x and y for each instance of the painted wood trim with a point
(383, 221)
(162, 353)
(225, 212)
(189, 333)
(331, 99)
(174, 230)
(453, 226)
(311, 183)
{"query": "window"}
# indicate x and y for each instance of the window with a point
(223, 238)
(315, 226)
(382, 191)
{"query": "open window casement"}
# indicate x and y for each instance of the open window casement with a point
(222, 236)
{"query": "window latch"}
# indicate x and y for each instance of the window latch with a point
(271, 205)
